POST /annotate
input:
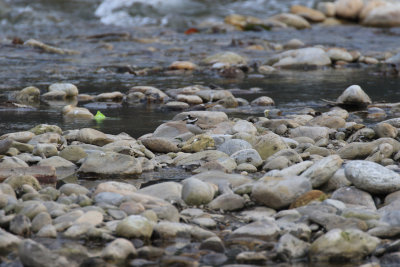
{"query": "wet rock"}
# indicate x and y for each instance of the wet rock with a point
(118, 251)
(190, 99)
(213, 243)
(354, 96)
(268, 144)
(110, 97)
(321, 171)
(227, 58)
(293, 44)
(233, 145)
(152, 94)
(292, 20)
(338, 54)
(264, 230)
(110, 163)
(40, 220)
(69, 89)
(182, 65)
(263, 101)
(134, 226)
(307, 13)
(299, 58)
(372, 177)
(160, 144)
(290, 247)
(92, 136)
(227, 202)
(280, 192)
(8, 242)
(170, 191)
(33, 254)
(21, 225)
(197, 192)
(383, 16)
(29, 94)
(341, 245)
(176, 105)
(250, 156)
(354, 196)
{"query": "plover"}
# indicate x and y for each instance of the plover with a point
(191, 125)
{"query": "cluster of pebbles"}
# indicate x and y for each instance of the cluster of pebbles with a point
(300, 188)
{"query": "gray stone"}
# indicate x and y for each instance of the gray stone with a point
(42, 219)
(354, 96)
(48, 231)
(134, 226)
(160, 144)
(8, 242)
(118, 250)
(33, 254)
(268, 144)
(45, 150)
(321, 171)
(92, 136)
(167, 191)
(68, 189)
(250, 156)
(313, 132)
(264, 230)
(290, 247)
(110, 198)
(169, 230)
(227, 202)
(69, 89)
(233, 145)
(343, 245)
(73, 153)
(197, 192)
(21, 225)
(109, 164)
(372, 177)
(280, 192)
(303, 57)
(354, 196)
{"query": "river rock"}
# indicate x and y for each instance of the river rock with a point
(159, 144)
(23, 136)
(170, 191)
(110, 97)
(321, 171)
(339, 54)
(198, 143)
(290, 247)
(57, 162)
(354, 196)
(264, 230)
(124, 189)
(17, 181)
(45, 128)
(73, 153)
(327, 8)
(21, 225)
(384, 129)
(197, 192)
(314, 132)
(8, 242)
(250, 156)
(280, 192)
(354, 96)
(307, 13)
(387, 15)
(12, 162)
(227, 58)
(291, 20)
(134, 226)
(233, 145)
(299, 58)
(152, 94)
(45, 150)
(40, 220)
(293, 170)
(263, 101)
(29, 94)
(33, 254)
(92, 136)
(372, 177)
(333, 122)
(47, 231)
(110, 163)
(118, 251)
(5, 145)
(204, 157)
(348, 9)
(227, 202)
(342, 245)
(268, 144)
(110, 198)
(243, 126)
(69, 89)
